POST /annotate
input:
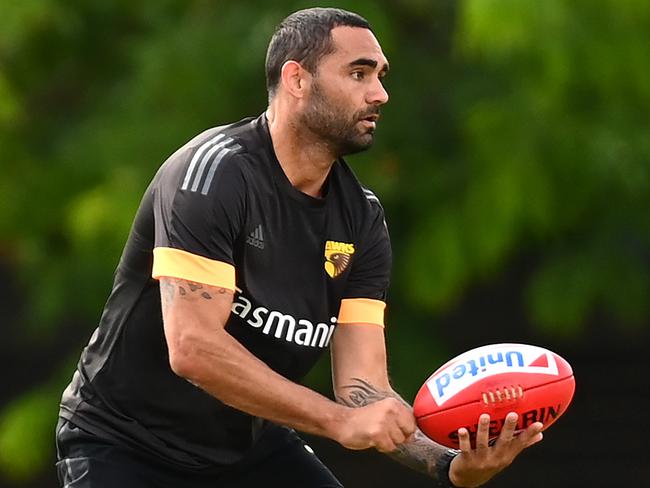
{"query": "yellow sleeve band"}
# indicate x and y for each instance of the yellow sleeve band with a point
(361, 311)
(177, 263)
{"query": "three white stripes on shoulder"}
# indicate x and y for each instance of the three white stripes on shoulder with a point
(210, 152)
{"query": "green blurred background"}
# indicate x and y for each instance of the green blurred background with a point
(513, 162)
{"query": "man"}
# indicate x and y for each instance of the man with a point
(260, 248)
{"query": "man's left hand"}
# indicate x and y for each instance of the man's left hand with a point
(473, 467)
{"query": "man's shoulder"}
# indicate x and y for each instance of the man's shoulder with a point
(232, 138)
(243, 137)
(215, 152)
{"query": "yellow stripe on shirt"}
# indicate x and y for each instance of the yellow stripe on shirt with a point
(177, 263)
(361, 311)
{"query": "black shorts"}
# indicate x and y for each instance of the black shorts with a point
(86, 461)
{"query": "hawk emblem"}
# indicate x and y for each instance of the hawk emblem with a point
(337, 257)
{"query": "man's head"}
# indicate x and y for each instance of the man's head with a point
(330, 64)
(305, 37)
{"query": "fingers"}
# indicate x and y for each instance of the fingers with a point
(464, 442)
(509, 426)
(535, 439)
(386, 445)
(526, 438)
(483, 432)
(509, 433)
(392, 439)
(482, 463)
(532, 435)
(473, 467)
(406, 423)
(392, 424)
(404, 428)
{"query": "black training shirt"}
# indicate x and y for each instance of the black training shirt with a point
(221, 211)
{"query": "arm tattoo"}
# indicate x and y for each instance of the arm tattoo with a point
(419, 453)
(188, 289)
(362, 393)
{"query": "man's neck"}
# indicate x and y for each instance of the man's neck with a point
(305, 160)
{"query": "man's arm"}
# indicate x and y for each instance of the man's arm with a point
(204, 353)
(360, 378)
(418, 452)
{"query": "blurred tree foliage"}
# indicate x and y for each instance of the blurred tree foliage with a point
(515, 126)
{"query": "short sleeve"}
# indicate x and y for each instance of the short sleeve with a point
(199, 208)
(364, 299)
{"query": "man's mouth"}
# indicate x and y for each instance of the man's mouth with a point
(370, 121)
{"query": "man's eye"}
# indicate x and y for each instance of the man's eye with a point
(358, 75)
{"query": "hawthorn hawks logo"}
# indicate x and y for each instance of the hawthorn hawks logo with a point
(337, 257)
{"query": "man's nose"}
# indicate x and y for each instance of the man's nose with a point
(378, 95)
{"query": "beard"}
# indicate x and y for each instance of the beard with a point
(342, 133)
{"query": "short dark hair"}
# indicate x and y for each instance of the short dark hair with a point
(305, 37)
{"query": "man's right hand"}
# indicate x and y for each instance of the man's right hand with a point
(383, 425)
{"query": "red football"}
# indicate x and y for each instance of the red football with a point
(497, 379)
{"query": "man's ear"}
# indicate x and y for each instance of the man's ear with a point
(295, 79)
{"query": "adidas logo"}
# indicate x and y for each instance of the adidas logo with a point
(256, 238)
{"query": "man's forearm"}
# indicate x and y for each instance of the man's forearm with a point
(419, 453)
(205, 354)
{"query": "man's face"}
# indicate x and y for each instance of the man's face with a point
(346, 92)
